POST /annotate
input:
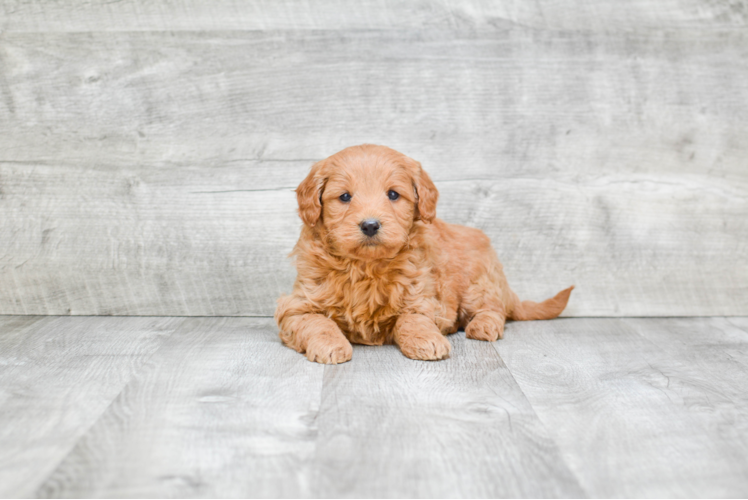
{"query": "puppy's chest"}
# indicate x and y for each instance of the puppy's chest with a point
(366, 308)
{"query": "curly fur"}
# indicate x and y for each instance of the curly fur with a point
(415, 281)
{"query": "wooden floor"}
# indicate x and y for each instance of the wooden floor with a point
(217, 407)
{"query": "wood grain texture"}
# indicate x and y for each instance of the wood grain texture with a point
(151, 173)
(639, 408)
(38, 15)
(393, 427)
(222, 410)
(57, 376)
(466, 105)
(217, 407)
(135, 242)
(194, 241)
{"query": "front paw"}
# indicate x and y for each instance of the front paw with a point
(485, 326)
(428, 346)
(329, 350)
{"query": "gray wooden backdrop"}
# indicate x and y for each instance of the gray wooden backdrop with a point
(149, 149)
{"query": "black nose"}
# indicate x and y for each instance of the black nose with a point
(370, 227)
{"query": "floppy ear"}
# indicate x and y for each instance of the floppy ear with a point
(309, 194)
(426, 193)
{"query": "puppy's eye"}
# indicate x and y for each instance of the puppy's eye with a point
(345, 197)
(393, 195)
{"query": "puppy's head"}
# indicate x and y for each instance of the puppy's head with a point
(364, 200)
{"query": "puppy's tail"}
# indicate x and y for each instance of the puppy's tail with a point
(548, 309)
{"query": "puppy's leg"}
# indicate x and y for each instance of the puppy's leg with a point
(419, 338)
(318, 337)
(484, 306)
(486, 325)
(446, 312)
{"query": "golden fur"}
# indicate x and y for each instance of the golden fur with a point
(416, 280)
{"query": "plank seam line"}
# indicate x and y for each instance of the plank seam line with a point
(95, 421)
(540, 421)
(311, 464)
(487, 30)
(739, 327)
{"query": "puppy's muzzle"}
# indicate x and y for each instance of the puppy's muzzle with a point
(369, 227)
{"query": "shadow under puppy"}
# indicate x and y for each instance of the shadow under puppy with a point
(376, 266)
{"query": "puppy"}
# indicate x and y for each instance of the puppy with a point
(376, 266)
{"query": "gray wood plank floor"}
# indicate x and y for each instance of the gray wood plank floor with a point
(217, 407)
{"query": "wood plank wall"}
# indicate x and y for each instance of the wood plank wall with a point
(149, 149)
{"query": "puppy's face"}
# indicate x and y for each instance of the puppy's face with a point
(364, 200)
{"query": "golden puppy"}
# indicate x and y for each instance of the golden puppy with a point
(375, 266)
